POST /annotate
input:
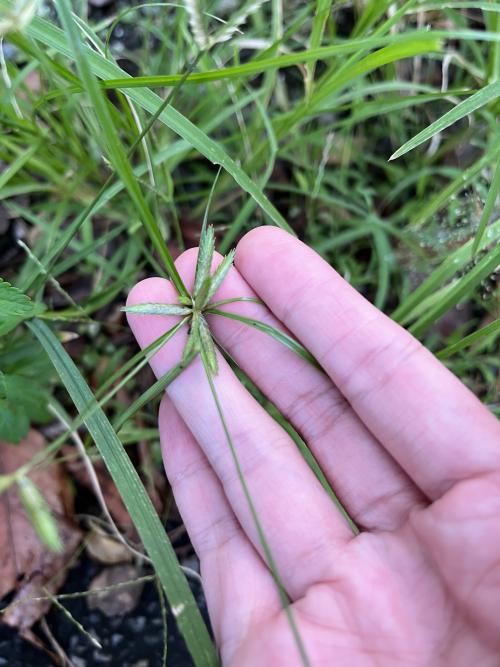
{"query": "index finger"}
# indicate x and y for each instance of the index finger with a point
(424, 416)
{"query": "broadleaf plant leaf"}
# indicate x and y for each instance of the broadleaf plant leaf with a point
(14, 307)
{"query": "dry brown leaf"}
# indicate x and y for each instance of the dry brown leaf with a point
(25, 563)
(114, 503)
(105, 549)
(118, 601)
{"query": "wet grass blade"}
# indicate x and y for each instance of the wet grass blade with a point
(460, 290)
(489, 205)
(139, 505)
(452, 264)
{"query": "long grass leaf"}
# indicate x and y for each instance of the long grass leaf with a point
(54, 38)
(109, 136)
(137, 501)
(271, 563)
(278, 335)
(492, 329)
(152, 392)
(484, 96)
(461, 289)
(451, 265)
(489, 205)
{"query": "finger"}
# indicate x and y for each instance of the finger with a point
(239, 590)
(299, 521)
(428, 420)
(372, 486)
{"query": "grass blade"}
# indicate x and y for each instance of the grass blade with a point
(468, 106)
(54, 38)
(452, 264)
(492, 329)
(139, 505)
(489, 205)
(253, 511)
(110, 138)
(153, 391)
(458, 291)
(281, 337)
(157, 309)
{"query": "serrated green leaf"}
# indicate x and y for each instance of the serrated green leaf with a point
(13, 304)
(205, 255)
(219, 275)
(207, 346)
(22, 400)
(14, 423)
(157, 309)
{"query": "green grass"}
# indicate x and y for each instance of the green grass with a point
(373, 140)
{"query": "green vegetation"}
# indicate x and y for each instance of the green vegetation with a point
(369, 129)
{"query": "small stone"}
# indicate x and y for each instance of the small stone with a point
(137, 624)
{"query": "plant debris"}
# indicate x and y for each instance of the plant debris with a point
(26, 564)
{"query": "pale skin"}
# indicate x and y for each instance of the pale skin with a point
(413, 455)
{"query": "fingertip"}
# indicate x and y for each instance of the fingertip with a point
(258, 242)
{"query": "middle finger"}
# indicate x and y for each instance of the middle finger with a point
(299, 521)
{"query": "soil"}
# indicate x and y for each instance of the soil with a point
(131, 640)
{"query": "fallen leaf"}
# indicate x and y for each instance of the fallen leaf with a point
(118, 601)
(25, 563)
(106, 549)
(114, 503)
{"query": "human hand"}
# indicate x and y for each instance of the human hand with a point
(412, 454)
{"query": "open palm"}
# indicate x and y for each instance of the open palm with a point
(411, 453)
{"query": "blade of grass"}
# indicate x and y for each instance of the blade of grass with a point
(137, 501)
(492, 329)
(15, 166)
(301, 445)
(451, 265)
(466, 107)
(253, 511)
(106, 192)
(460, 290)
(436, 203)
(321, 12)
(111, 140)
(278, 335)
(489, 205)
(53, 37)
(152, 392)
